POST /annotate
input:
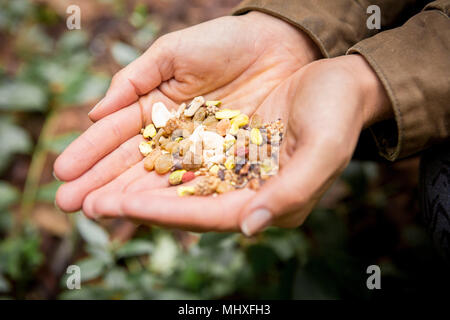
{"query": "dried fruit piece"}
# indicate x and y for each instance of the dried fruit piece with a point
(149, 162)
(176, 177)
(194, 106)
(229, 163)
(229, 141)
(184, 144)
(172, 147)
(210, 122)
(200, 115)
(224, 187)
(214, 169)
(163, 163)
(255, 136)
(160, 114)
(212, 140)
(192, 161)
(188, 176)
(227, 113)
(240, 120)
(180, 110)
(254, 184)
(256, 121)
(185, 191)
(206, 186)
(223, 126)
(145, 147)
(149, 131)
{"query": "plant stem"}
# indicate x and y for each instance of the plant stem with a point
(34, 172)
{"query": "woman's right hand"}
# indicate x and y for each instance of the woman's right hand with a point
(238, 60)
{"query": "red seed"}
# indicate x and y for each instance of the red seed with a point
(187, 176)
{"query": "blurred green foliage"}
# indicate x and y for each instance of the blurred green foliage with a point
(51, 69)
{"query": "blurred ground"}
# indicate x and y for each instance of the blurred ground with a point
(51, 77)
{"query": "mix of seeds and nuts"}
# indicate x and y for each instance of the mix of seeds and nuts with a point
(223, 147)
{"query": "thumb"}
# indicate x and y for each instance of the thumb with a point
(295, 189)
(137, 78)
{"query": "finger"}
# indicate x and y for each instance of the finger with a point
(70, 195)
(98, 141)
(138, 78)
(159, 184)
(295, 189)
(105, 135)
(119, 186)
(192, 213)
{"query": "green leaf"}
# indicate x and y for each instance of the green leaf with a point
(59, 143)
(117, 279)
(164, 258)
(8, 195)
(91, 89)
(91, 232)
(123, 53)
(136, 247)
(90, 268)
(22, 96)
(47, 192)
(13, 139)
(73, 40)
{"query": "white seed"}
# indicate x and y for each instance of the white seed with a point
(194, 106)
(160, 114)
(180, 110)
(212, 140)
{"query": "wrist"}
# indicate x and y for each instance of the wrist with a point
(284, 33)
(376, 105)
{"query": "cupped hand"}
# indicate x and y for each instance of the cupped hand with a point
(239, 60)
(325, 106)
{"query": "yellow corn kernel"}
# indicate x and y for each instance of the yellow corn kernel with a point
(228, 142)
(229, 163)
(212, 103)
(178, 139)
(185, 191)
(266, 166)
(214, 169)
(176, 177)
(256, 136)
(227, 113)
(145, 147)
(241, 120)
(149, 131)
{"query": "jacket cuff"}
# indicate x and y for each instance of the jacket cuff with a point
(413, 65)
(334, 26)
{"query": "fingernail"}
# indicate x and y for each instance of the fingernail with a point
(95, 107)
(54, 176)
(256, 221)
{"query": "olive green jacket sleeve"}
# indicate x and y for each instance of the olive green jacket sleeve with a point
(412, 59)
(334, 25)
(413, 63)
